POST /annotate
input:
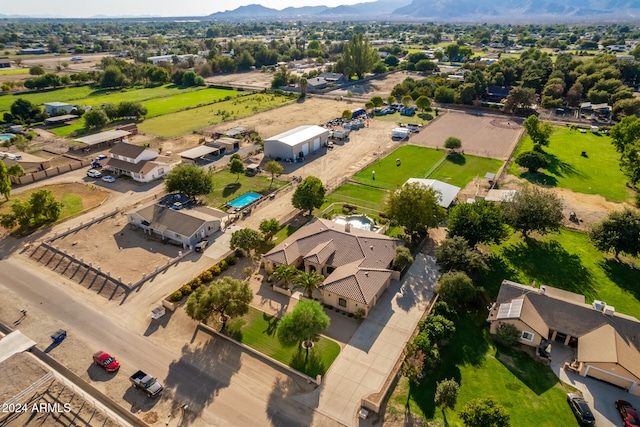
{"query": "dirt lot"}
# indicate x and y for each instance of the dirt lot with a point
(19, 372)
(256, 79)
(381, 87)
(114, 247)
(486, 136)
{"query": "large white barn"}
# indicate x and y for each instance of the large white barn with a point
(296, 142)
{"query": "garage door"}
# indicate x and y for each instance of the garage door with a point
(316, 144)
(622, 382)
(305, 148)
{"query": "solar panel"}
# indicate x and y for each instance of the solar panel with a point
(510, 310)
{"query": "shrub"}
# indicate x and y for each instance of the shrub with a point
(195, 283)
(215, 270)
(637, 200)
(239, 253)
(223, 265)
(206, 276)
(507, 334)
(176, 296)
(185, 290)
(231, 260)
(359, 314)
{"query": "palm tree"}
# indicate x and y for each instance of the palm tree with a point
(308, 281)
(286, 273)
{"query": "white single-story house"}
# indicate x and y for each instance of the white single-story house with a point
(184, 226)
(53, 108)
(448, 192)
(294, 143)
(356, 263)
(606, 342)
(140, 163)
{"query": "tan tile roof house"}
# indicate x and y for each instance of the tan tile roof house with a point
(607, 343)
(356, 263)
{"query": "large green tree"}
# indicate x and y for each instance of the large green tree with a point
(456, 288)
(455, 254)
(446, 393)
(5, 181)
(479, 222)
(246, 239)
(533, 209)
(188, 179)
(415, 207)
(309, 195)
(236, 167)
(302, 325)
(359, 56)
(269, 227)
(484, 413)
(532, 160)
(228, 297)
(618, 232)
(538, 132)
(625, 133)
(95, 118)
(519, 98)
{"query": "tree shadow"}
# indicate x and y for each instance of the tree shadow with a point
(540, 178)
(499, 269)
(623, 275)
(231, 189)
(311, 365)
(549, 263)
(282, 410)
(532, 374)
(200, 374)
(560, 168)
(425, 116)
(456, 159)
(272, 324)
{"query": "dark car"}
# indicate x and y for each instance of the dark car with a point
(106, 361)
(628, 413)
(581, 409)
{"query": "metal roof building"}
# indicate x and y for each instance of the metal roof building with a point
(297, 142)
(447, 192)
(103, 137)
(199, 152)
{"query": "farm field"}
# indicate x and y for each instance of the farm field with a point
(173, 103)
(529, 390)
(566, 260)
(597, 173)
(62, 95)
(183, 122)
(14, 71)
(68, 129)
(460, 169)
(415, 162)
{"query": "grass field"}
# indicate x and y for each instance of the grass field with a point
(183, 122)
(531, 393)
(173, 103)
(361, 192)
(38, 98)
(68, 129)
(258, 329)
(460, 169)
(12, 71)
(76, 198)
(227, 186)
(599, 173)
(566, 260)
(415, 162)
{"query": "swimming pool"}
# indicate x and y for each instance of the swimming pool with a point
(244, 200)
(357, 221)
(6, 136)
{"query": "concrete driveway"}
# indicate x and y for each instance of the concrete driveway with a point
(600, 395)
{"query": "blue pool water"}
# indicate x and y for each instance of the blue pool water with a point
(363, 223)
(6, 136)
(244, 200)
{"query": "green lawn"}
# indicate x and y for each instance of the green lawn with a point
(566, 260)
(181, 101)
(61, 95)
(361, 192)
(415, 162)
(529, 390)
(183, 122)
(460, 169)
(258, 329)
(68, 129)
(228, 186)
(599, 173)
(12, 71)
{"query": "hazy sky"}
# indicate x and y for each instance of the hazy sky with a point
(88, 8)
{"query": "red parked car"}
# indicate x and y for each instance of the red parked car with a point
(628, 413)
(106, 362)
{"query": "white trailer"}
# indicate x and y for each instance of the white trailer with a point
(401, 133)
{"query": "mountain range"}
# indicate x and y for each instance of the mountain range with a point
(449, 10)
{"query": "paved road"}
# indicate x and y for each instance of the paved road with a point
(222, 385)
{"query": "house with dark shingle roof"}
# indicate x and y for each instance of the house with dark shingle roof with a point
(183, 226)
(140, 163)
(356, 263)
(607, 343)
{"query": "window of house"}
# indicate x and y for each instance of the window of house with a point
(330, 270)
(527, 336)
(342, 302)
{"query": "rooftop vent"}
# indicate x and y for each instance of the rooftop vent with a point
(542, 290)
(609, 310)
(599, 305)
(371, 247)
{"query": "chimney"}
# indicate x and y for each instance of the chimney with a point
(347, 227)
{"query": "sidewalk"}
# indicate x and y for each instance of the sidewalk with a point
(365, 363)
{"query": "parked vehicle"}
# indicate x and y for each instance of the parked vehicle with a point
(581, 409)
(96, 165)
(340, 134)
(147, 383)
(201, 245)
(628, 413)
(106, 361)
(101, 157)
(92, 173)
(108, 178)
